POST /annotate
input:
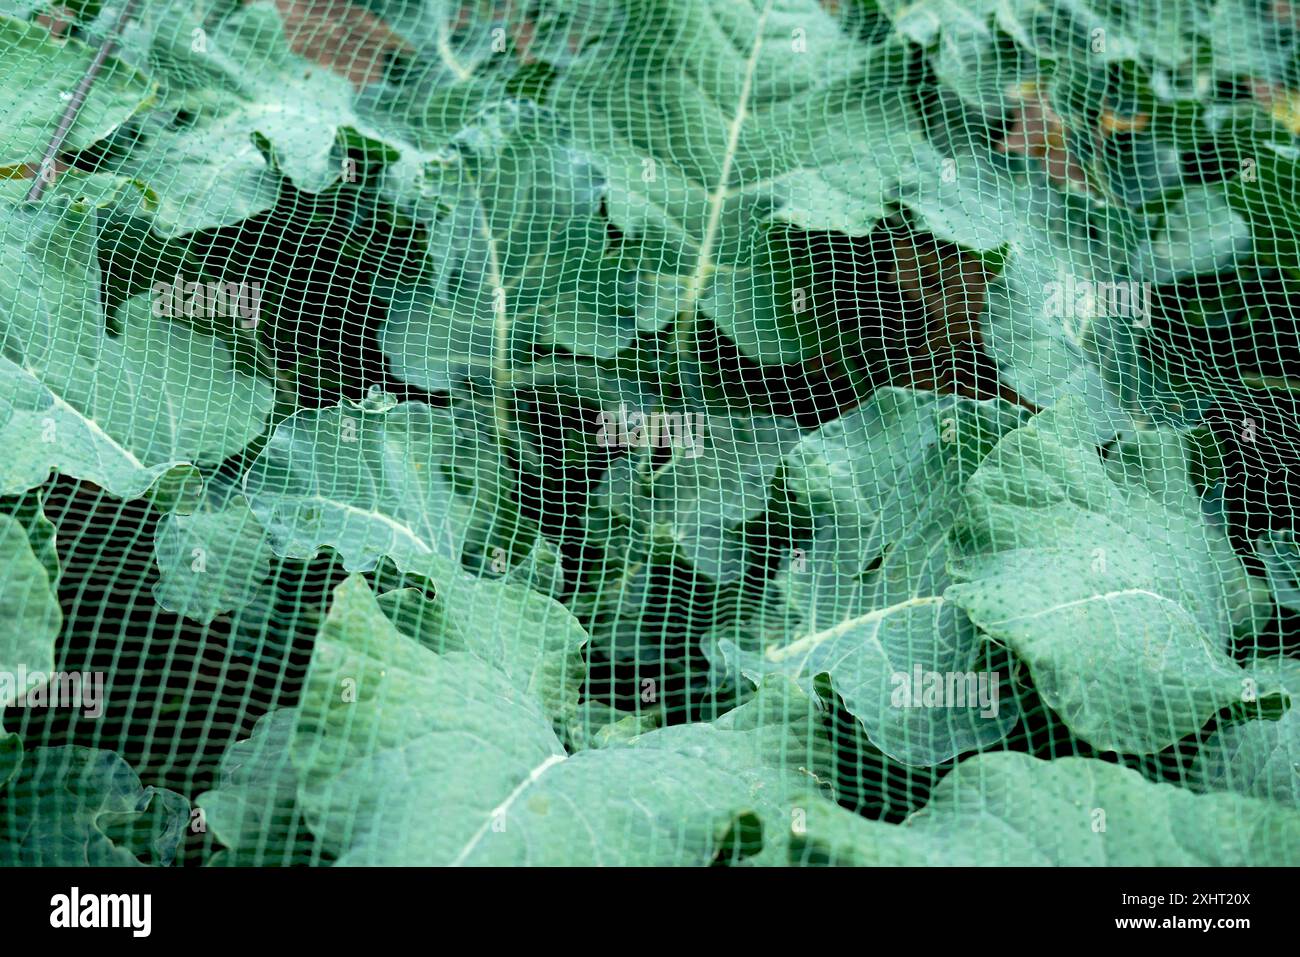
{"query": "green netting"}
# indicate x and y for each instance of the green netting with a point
(649, 432)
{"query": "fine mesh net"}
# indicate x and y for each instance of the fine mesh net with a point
(649, 432)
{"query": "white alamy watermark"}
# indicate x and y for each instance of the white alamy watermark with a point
(75, 909)
(208, 300)
(628, 428)
(53, 689)
(1083, 300)
(946, 689)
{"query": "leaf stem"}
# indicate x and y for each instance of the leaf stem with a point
(502, 367)
(684, 335)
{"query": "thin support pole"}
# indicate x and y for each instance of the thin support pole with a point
(45, 172)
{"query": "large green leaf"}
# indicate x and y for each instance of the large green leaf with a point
(406, 483)
(512, 209)
(636, 588)
(460, 749)
(716, 479)
(467, 56)
(778, 310)
(1073, 305)
(868, 589)
(214, 560)
(1259, 758)
(730, 146)
(1156, 461)
(230, 88)
(526, 636)
(1200, 233)
(30, 617)
(1012, 810)
(1267, 198)
(600, 311)
(1249, 39)
(926, 21)
(252, 809)
(50, 434)
(157, 387)
(1160, 33)
(49, 287)
(536, 645)
(29, 511)
(1120, 601)
(118, 410)
(296, 105)
(969, 40)
(968, 198)
(1062, 317)
(455, 41)
(1044, 351)
(974, 56)
(203, 170)
(37, 76)
(80, 807)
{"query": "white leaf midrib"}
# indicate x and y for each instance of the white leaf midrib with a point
(810, 642)
(503, 808)
(721, 189)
